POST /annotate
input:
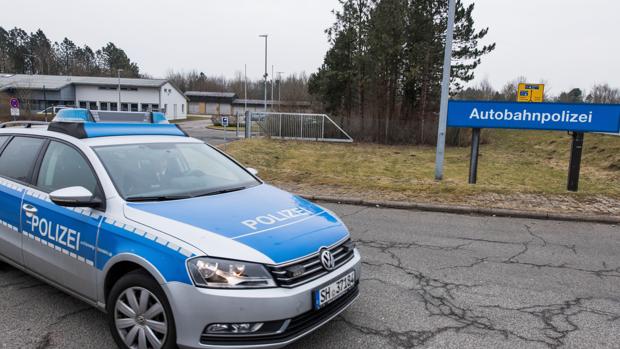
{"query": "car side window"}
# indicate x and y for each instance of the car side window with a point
(62, 167)
(18, 158)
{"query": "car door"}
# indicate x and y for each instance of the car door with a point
(17, 161)
(60, 242)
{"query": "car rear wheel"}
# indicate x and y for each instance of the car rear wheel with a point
(139, 314)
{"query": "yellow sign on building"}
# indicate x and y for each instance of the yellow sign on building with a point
(532, 93)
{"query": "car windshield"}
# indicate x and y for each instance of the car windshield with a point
(171, 171)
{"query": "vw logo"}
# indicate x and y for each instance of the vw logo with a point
(327, 259)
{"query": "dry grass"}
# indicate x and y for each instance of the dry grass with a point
(514, 162)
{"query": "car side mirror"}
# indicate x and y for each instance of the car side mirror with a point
(74, 197)
(253, 171)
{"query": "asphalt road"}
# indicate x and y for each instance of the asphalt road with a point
(430, 280)
(198, 129)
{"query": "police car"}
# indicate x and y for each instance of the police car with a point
(178, 243)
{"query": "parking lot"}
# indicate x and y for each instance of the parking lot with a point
(430, 280)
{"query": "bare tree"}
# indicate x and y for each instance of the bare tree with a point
(603, 93)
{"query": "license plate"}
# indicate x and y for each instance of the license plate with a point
(334, 290)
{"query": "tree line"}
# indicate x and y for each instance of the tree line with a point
(292, 87)
(35, 53)
(598, 93)
(381, 76)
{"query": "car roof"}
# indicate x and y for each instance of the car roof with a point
(41, 130)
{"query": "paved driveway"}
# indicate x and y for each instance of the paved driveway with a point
(430, 280)
(198, 129)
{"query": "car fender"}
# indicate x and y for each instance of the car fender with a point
(125, 257)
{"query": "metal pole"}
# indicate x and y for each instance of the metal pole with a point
(279, 90)
(272, 86)
(248, 125)
(445, 90)
(245, 90)
(118, 107)
(237, 118)
(473, 160)
(45, 102)
(225, 134)
(574, 166)
(266, 74)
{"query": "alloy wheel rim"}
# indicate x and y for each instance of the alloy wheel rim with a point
(140, 319)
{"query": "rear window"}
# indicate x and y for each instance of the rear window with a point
(18, 158)
(3, 139)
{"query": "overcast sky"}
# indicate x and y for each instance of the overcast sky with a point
(568, 43)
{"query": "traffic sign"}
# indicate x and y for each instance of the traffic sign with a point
(14, 103)
(533, 93)
(225, 121)
(582, 117)
(572, 117)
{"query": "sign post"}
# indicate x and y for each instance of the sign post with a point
(225, 124)
(574, 166)
(14, 102)
(445, 93)
(475, 151)
(575, 118)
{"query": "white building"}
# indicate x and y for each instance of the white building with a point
(96, 93)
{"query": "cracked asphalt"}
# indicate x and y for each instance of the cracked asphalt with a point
(430, 280)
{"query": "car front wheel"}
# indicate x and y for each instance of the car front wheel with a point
(139, 314)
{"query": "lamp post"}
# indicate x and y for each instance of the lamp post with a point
(245, 89)
(118, 72)
(266, 74)
(279, 90)
(445, 90)
(272, 86)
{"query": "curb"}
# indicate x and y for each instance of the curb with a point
(467, 210)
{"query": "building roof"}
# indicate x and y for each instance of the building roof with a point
(270, 102)
(211, 94)
(57, 82)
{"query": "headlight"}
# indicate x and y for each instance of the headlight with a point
(220, 273)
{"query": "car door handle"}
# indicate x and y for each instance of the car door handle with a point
(29, 209)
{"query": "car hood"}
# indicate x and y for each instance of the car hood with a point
(262, 224)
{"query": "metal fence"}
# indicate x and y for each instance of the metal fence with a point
(295, 126)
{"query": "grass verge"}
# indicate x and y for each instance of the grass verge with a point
(524, 170)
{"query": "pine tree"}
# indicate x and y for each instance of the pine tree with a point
(386, 59)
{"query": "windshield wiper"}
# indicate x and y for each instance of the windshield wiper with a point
(157, 198)
(221, 191)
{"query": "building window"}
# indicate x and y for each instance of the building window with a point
(93, 106)
(134, 106)
(103, 106)
(182, 108)
(155, 107)
(165, 108)
(83, 105)
(124, 107)
(113, 106)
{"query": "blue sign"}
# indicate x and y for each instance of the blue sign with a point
(225, 121)
(535, 116)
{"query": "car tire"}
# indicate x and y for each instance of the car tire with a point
(139, 314)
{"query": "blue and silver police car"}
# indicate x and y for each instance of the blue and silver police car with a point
(178, 243)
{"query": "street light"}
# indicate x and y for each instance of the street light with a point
(118, 107)
(266, 74)
(279, 89)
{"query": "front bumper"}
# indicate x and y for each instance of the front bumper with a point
(194, 308)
